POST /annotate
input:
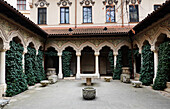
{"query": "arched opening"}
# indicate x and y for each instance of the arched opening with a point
(1, 44)
(70, 53)
(125, 58)
(147, 67)
(162, 39)
(51, 59)
(87, 60)
(137, 62)
(137, 58)
(105, 65)
(15, 78)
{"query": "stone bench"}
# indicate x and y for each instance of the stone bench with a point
(136, 83)
(107, 79)
(45, 83)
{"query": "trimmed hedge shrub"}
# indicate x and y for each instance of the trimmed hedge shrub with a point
(15, 78)
(163, 66)
(118, 70)
(111, 60)
(66, 59)
(30, 66)
(147, 70)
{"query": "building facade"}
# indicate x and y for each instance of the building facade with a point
(90, 37)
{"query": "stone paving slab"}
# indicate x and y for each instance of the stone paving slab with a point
(67, 94)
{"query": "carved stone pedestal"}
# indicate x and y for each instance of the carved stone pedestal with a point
(89, 93)
(125, 76)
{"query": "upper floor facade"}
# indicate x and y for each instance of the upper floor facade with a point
(79, 13)
(71, 13)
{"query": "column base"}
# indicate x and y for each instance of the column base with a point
(77, 76)
(60, 76)
(3, 88)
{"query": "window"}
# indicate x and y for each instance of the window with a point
(42, 15)
(156, 7)
(110, 14)
(87, 14)
(133, 13)
(21, 4)
(64, 15)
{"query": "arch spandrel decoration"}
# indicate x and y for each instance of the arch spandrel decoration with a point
(17, 34)
(108, 44)
(124, 43)
(54, 46)
(89, 44)
(69, 44)
(64, 3)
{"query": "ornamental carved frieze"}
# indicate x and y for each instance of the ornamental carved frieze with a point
(133, 1)
(110, 2)
(87, 2)
(64, 2)
(42, 3)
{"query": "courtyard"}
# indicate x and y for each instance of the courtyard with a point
(67, 94)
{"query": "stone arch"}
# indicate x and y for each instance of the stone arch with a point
(54, 46)
(124, 43)
(87, 44)
(159, 32)
(69, 44)
(30, 40)
(17, 34)
(3, 35)
(1, 44)
(105, 44)
(145, 38)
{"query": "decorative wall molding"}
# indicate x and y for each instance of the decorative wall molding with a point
(110, 2)
(87, 2)
(64, 3)
(133, 1)
(41, 3)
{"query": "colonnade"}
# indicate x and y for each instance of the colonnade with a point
(78, 54)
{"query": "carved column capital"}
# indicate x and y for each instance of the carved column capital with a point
(78, 53)
(97, 53)
(115, 53)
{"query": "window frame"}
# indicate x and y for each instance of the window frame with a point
(158, 5)
(110, 12)
(65, 15)
(87, 13)
(137, 20)
(21, 4)
(45, 16)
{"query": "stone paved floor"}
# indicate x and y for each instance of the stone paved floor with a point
(67, 94)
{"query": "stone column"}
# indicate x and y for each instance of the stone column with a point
(134, 65)
(115, 58)
(23, 62)
(78, 65)
(60, 74)
(155, 64)
(97, 63)
(3, 85)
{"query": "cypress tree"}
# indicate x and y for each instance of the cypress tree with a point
(163, 66)
(147, 70)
